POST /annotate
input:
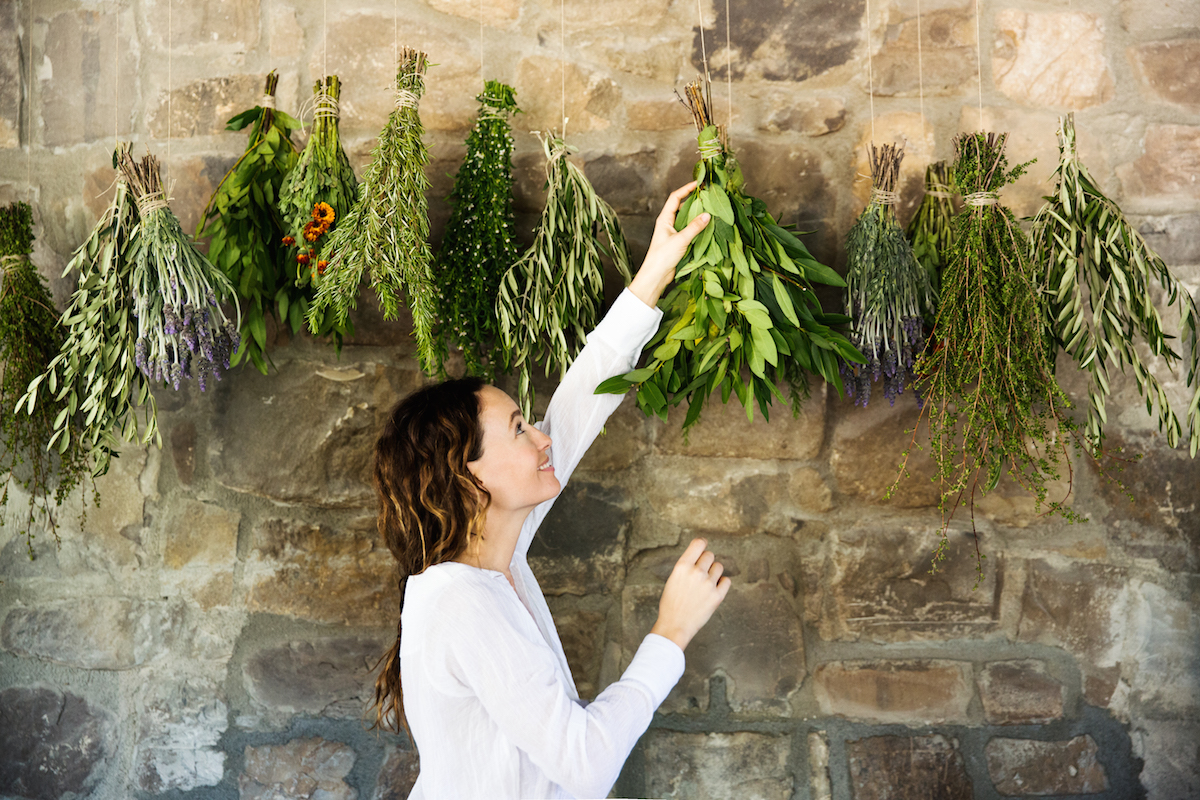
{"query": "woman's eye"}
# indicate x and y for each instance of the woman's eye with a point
(520, 428)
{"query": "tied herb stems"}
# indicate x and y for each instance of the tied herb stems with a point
(931, 230)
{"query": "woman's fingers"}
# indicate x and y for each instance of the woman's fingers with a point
(674, 200)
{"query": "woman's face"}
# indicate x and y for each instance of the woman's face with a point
(515, 465)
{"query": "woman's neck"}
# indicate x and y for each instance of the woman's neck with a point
(494, 549)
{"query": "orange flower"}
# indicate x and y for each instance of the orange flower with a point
(321, 267)
(289, 241)
(323, 215)
(313, 232)
(302, 258)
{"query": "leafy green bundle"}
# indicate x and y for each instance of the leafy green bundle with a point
(1097, 273)
(743, 299)
(551, 297)
(246, 232)
(29, 340)
(888, 290)
(387, 229)
(480, 244)
(931, 230)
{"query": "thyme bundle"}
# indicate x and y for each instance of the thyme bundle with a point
(1097, 273)
(480, 244)
(246, 232)
(743, 299)
(29, 340)
(387, 229)
(931, 230)
(551, 298)
(888, 291)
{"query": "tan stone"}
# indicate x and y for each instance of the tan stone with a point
(722, 496)
(287, 35)
(592, 103)
(495, 13)
(818, 766)
(194, 24)
(1163, 18)
(809, 491)
(1075, 607)
(11, 91)
(868, 449)
(916, 135)
(1168, 69)
(1020, 693)
(1025, 766)
(1030, 136)
(307, 768)
(320, 676)
(656, 115)
(715, 766)
(200, 534)
(724, 431)
(202, 108)
(885, 767)
(812, 116)
(105, 633)
(915, 692)
(661, 58)
(945, 62)
(1051, 59)
(1169, 169)
(623, 443)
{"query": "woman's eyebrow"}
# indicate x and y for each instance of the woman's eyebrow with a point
(513, 417)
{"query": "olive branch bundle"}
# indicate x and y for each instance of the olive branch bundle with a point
(386, 231)
(888, 291)
(551, 298)
(1097, 275)
(931, 230)
(246, 232)
(743, 300)
(29, 340)
(480, 244)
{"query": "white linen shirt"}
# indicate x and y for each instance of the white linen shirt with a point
(488, 693)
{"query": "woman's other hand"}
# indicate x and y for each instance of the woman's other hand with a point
(667, 246)
(694, 590)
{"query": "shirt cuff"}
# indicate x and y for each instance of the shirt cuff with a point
(628, 325)
(658, 664)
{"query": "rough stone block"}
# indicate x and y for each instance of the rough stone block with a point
(304, 769)
(495, 13)
(724, 431)
(665, 114)
(660, 58)
(623, 443)
(397, 774)
(868, 447)
(1166, 172)
(325, 677)
(200, 535)
(182, 441)
(92, 632)
(579, 547)
(1170, 18)
(54, 744)
(718, 766)
(793, 184)
(811, 116)
(1051, 59)
(818, 766)
(593, 98)
(625, 181)
(582, 634)
(231, 22)
(1163, 640)
(593, 17)
(201, 108)
(1027, 766)
(1167, 69)
(718, 496)
(1076, 607)
(916, 692)
(180, 726)
(1175, 237)
(11, 91)
(195, 181)
(1020, 693)
(886, 767)
(1170, 750)
(947, 53)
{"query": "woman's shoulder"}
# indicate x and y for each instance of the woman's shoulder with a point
(447, 589)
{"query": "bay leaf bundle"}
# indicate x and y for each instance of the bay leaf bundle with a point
(931, 229)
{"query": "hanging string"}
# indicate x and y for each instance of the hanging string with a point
(29, 108)
(870, 73)
(481, 78)
(170, 50)
(324, 40)
(920, 69)
(728, 71)
(117, 80)
(979, 63)
(703, 51)
(395, 32)
(562, 56)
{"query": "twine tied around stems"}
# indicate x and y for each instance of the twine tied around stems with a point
(882, 197)
(939, 190)
(980, 199)
(267, 101)
(8, 263)
(406, 99)
(151, 201)
(710, 149)
(323, 104)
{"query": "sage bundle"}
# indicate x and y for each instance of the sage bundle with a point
(316, 194)
(245, 230)
(931, 230)
(183, 332)
(480, 242)
(387, 229)
(551, 298)
(888, 290)
(743, 300)
(29, 340)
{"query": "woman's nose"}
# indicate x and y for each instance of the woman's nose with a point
(543, 440)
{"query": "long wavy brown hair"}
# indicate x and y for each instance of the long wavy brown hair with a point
(431, 506)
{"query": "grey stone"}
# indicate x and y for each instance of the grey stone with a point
(397, 774)
(12, 65)
(1072, 607)
(946, 65)
(55, 744)
(578, 549)
(868, 449)
(180, 727)
(202, 108)
(302, 769)
(887, 767)
(1027, 766)
(582, 634)
(1165, 172)
(625, 181)
(1170, 750)
(1176, 238)
(92, 632)
(183, 451)
(330, 677)
(718, 766)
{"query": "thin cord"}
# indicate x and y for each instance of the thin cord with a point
(728, 72)
(29, 107)
(562, 56)
(979, 63)
(481, 40)
(870, 73)
(703, 51)
(117, 80)
(395, 32)
(324, 40)
(920, 69)
(170, 50)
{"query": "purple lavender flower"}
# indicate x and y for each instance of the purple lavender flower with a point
(170, 321)
(139, 355)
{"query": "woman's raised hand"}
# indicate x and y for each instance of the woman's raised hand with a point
(694, 590)
(667, 246)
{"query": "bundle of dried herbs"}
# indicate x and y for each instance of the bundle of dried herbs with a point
(480, 243)
(743, 299)
(246, 232)
(177, 294)
(888, 290)
(29, 340)
(931, 230)
(551, 297)
(316, 194)
(1098, 271)
(387, 230)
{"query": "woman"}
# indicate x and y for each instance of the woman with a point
(479, 676)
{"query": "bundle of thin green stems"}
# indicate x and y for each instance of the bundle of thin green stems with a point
(888, 291)
(245, 230)
(29, 340)
(1097, 273)
(387, 229)
(183, 332)
(551, 297)
(931, 230)
(480, 243)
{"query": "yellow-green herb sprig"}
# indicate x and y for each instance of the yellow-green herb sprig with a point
(931, 230)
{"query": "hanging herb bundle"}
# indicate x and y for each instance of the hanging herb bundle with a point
(29, 340)
(888, 290)
(177, 293)
(551, 297)
(246, 232)
(94, 374)
(1098, 270)
(743, 298)
(387, 229)
(931, 230)
(316, 194)
(480, 241)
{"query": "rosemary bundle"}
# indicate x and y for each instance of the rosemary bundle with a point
(29, 339)
(1097, 272)
(182, 330)
(888, 289)
(743, 298)
(480, 241)
(931, 230)
(246, 231)
(316, 194)
(551, 297)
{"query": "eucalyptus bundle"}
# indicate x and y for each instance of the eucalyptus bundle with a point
(551, 298)
(480, 242)
(931, 230)
(29, 340)
(1097, 275)
(387, 229)
(316, 194)
(246, 231)
(743, 299)
(888, 290)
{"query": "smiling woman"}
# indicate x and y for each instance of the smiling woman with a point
(479, 677)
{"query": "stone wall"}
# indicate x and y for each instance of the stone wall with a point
(209, 630)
